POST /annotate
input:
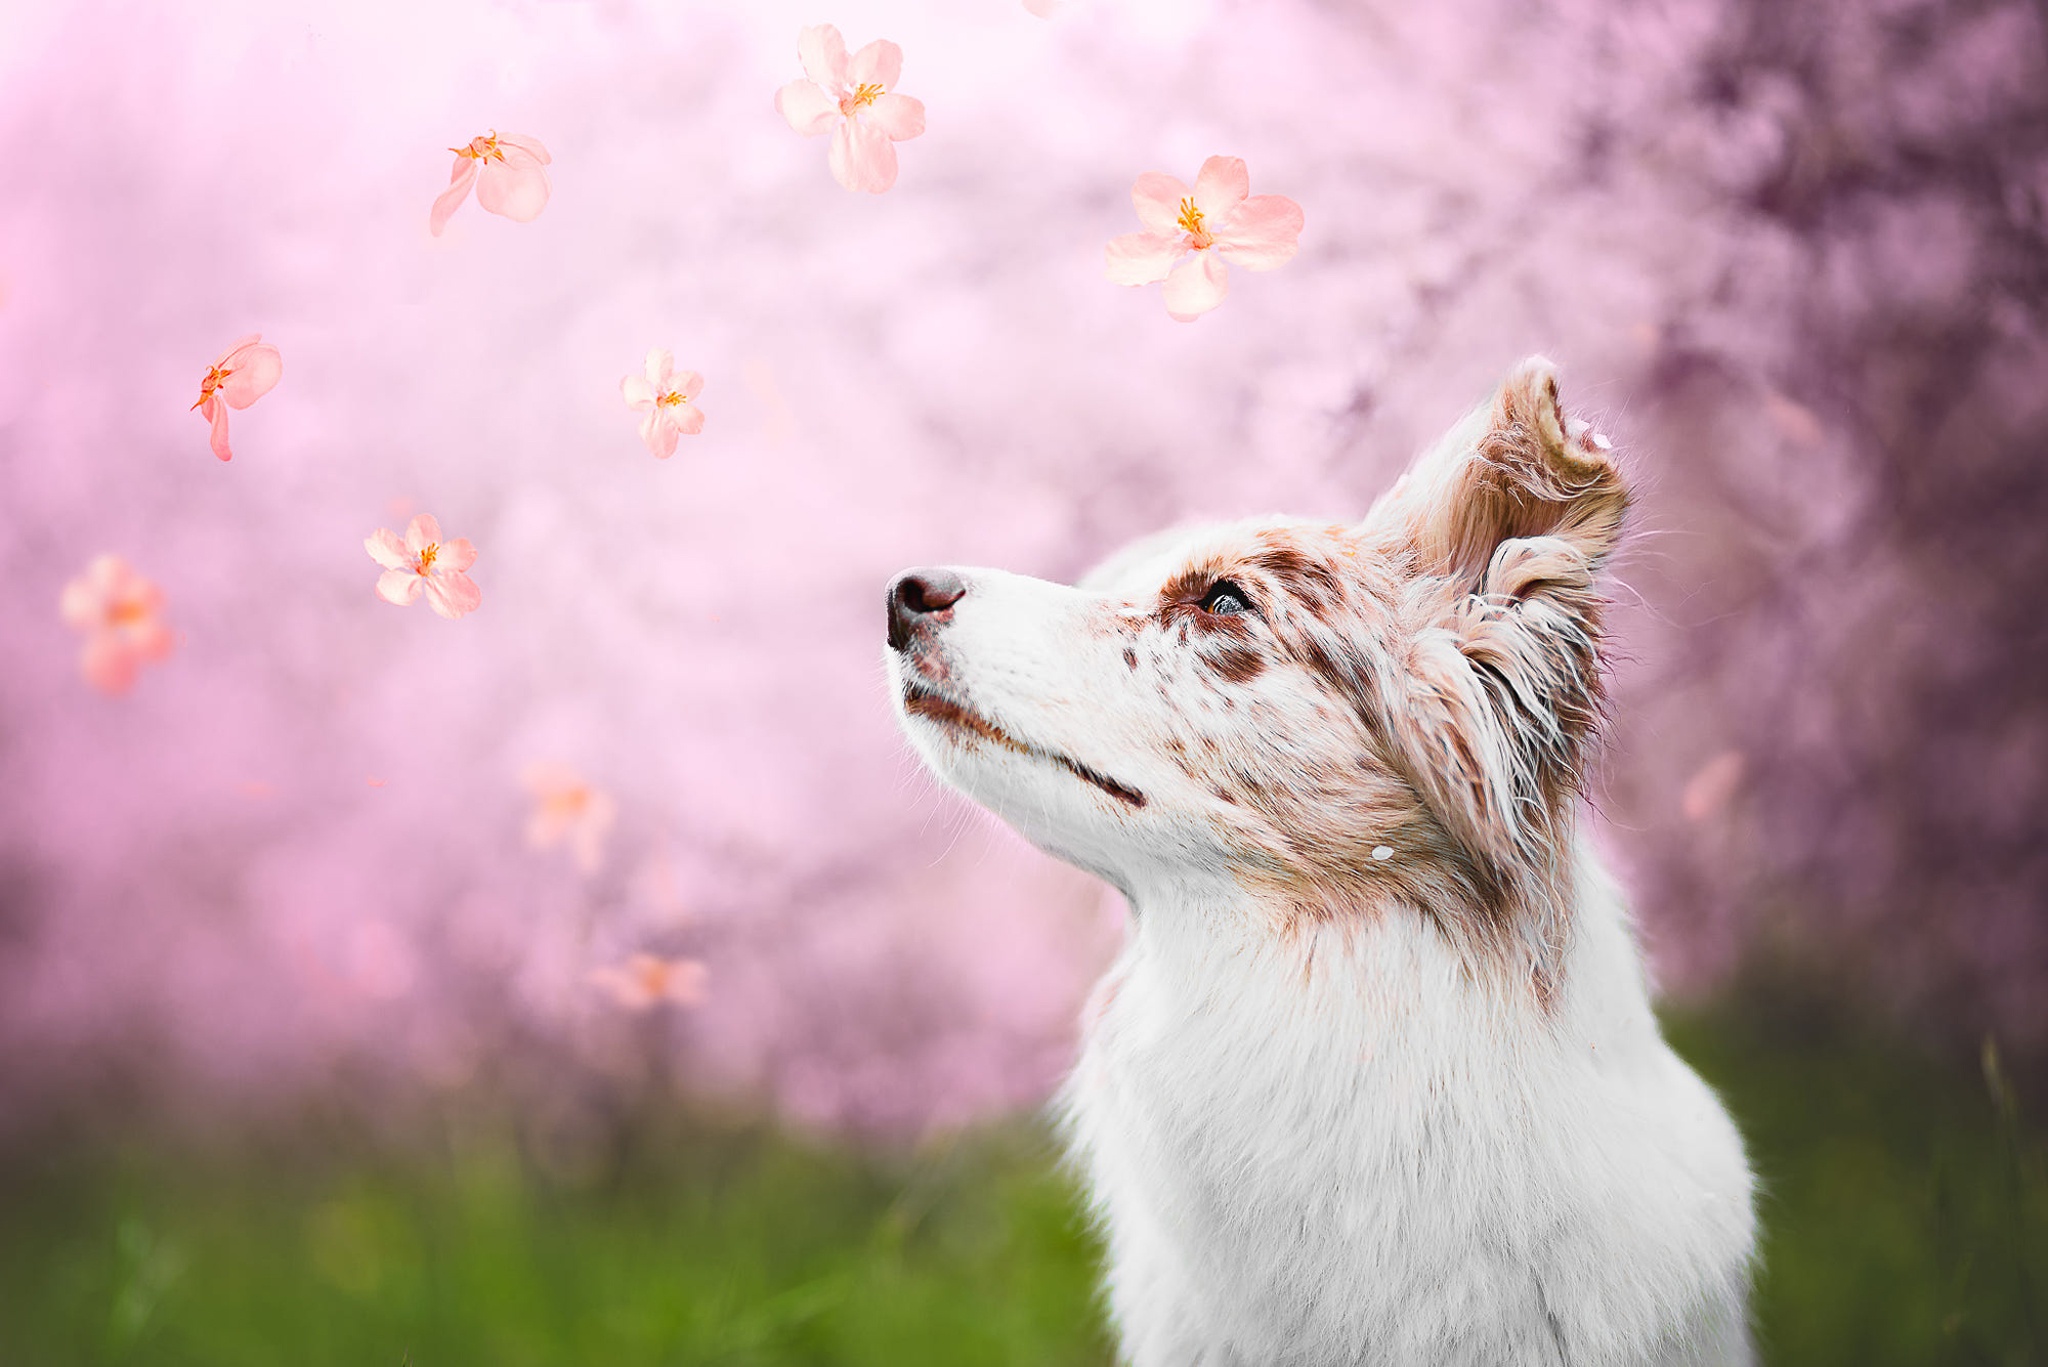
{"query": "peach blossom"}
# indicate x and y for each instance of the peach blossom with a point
(239, 376)
(667, 400)
(121, 614)
(647, 980)
(509, 172)
(1219, 220)
(423, 562)
(567, 808)
(851, 98)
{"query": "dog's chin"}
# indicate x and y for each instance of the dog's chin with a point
(969, 741)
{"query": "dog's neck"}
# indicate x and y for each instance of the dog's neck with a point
(1204, 921)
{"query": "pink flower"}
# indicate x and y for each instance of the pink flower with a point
(567, 808)
(510, 175)
(645, 980)
(423, 561)
(242, 374)
(850, 98)
(667, 398)
(120, 613)
(1216, 222)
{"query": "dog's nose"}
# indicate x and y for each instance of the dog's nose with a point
(917, 593)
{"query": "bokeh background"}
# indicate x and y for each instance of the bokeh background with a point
(300, 1048)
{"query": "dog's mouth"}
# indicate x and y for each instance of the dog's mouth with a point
(920, 700)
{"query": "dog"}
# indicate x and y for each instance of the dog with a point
(1375, 1079)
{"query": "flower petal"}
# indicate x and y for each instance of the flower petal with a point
(450, 199)
(1262, 233)
(530, 146)
(637, 392)
(807, 106)
(1157, 196)
(453, 594)
(226, 356)
(399, 587)
(1196, 286)
(661, 363)
(386, 549)
(1221, 186)
(456, 556)
(1143, 258)
(109, 663)
(420, 533)
(823, 53)
(517, 192)
(689, 383)
(862, 157)
(879, 63)
(151, 641)
(689, 421)
(80, 604)
(256, 370)
(218, 438)
(659, 434)
(899, 116)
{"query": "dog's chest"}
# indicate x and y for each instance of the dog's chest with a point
(1312, 1161)
(1308, 1160)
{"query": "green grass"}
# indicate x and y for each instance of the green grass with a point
(1905, 1215)
(735, 1247)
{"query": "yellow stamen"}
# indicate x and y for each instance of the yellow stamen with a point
(866, 94)
(427, 557)
(1190, 221)
(216, 376)
(481, 149)
(674, 397)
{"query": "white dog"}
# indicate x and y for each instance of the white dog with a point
(1375, 1080)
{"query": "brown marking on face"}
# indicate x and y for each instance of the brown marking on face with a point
(1309, 581)
(1188, 588)
(923, 702)
(1237, 663)
(1181, 599)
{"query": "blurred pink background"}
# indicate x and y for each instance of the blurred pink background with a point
(1802, 310)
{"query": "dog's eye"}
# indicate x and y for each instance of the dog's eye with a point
(1226, 599)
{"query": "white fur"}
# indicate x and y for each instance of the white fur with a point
(1339, 1139)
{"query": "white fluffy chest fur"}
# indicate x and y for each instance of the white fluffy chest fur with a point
(1345, 1150)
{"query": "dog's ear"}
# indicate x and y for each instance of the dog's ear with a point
(1501, 527)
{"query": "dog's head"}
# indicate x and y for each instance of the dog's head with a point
(1400, 707)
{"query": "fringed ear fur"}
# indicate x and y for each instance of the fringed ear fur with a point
(1503, 526)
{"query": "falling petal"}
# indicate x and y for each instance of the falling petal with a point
(1195, 287)
(898, 116)
(879, 63)
(823, 54)
(862, 157)
(515, 192)
(807, 107)
(1157, 197)
(449, 200)
(1221, 185)
(218, 437)
(1261, 234)
(1143, 258)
